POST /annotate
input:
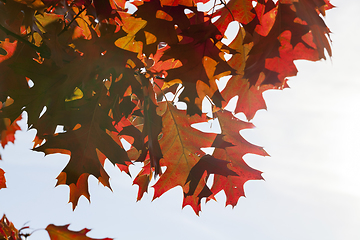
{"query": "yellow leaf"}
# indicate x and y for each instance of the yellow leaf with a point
(150, 38)
(78, 94)
(34, 4)
(128, 43)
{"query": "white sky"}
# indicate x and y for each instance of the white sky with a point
(312, 187)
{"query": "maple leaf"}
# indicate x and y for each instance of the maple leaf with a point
(84, 141)
(63, 233)
(2, 179)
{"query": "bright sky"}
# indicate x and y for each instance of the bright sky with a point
(312, 187)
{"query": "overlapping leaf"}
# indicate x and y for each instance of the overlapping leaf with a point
(8, 230)
(180, 144)
(231, 146)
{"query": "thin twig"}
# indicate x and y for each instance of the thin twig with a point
(68, 25)
(225, 6)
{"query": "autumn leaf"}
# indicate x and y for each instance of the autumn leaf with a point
(180, 144)
(8, 49)
(234, 10)
(143, 179)
(2, 179)
(8, 132)
(231, 147)
(203, 168)
(8, 230)
(63, 233)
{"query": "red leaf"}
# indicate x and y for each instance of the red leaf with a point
(234, 10)
(143, 179)
(8, 134)
(233, 185)
(2, 179)
(9, 48)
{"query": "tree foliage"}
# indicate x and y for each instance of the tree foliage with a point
(116, 82)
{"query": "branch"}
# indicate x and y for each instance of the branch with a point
(43, 49)
(227, 8)
(68, 25)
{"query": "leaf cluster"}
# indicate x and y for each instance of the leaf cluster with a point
(114, 81)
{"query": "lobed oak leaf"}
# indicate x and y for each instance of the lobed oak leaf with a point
(234, 10)
(84, 143)
(231, 149)
(201, 61)
(269, 46)
(197, 179)
(63, 233)
(180, 145)
(162, 22)
(201, 191)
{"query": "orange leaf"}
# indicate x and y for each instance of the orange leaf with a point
(63, 233)
(9, 48)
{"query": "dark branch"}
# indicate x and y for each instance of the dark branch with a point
(43, 49)
(227, 8)
(68, 25)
